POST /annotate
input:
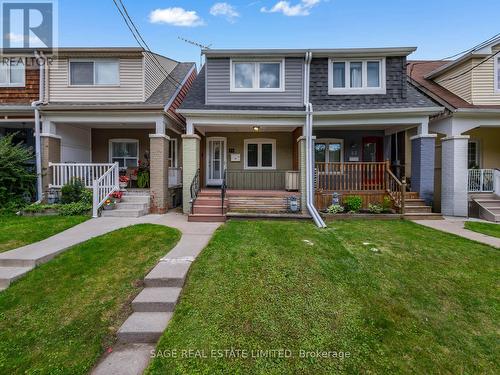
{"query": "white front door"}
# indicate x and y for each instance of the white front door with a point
(216, 160)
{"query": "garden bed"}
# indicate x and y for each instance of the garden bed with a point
(361, 215)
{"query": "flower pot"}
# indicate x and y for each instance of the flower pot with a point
(123, 185)
(108, 207)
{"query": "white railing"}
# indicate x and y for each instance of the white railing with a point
(63, 173)
(480, 180)
(104, 186)
(174, 177)
(496, 181)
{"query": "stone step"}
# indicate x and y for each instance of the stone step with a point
(10, 274)
(423, 216)
(144, 327)
(143, 192)
(208, 209)
(162, 299)
(123, 213)
(169, 273)
(136, 198)
(207, 218)
(132, 205)
(417, 209)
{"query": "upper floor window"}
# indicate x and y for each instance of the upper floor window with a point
(356, 76)
(11, 73)
(257, 75)
(94, 72)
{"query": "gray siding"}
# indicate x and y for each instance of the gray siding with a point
(218, 86)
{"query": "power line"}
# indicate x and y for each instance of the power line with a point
(470, 69)
(138, 38)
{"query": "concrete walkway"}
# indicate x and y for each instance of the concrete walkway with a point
(456, 226)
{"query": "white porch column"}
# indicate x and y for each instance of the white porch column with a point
(454, 175)
(159, 143)
(50, 144)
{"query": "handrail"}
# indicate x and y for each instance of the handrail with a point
(396, 190)
(103, 187)
(195, 188)
(223, 190)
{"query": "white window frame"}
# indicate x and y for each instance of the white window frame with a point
(259, 142)
(10, 84)
(364, 89)
(256, 77)
(94, 61)
(496, 75)
(123, 140)
(478, 152)
(328, 141)
(172, 145)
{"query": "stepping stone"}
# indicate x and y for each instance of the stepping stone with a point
(156, 299)
(144, 327)
(10, 274)
(168, 273)
(128, 359)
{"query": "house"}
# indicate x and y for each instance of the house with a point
(103, 111)
(468, 143)
(266, 128)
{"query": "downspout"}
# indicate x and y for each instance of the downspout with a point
(309, 146)
(35, 105)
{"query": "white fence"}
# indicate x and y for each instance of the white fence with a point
(174, 177)
(481, 180)
(62, 173)
(104, 186)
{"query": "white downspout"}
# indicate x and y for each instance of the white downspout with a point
(35, 105)
(309, 146)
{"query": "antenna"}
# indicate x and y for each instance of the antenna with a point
(197, 44)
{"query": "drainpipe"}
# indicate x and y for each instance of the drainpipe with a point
(35, 105)
(309, 147)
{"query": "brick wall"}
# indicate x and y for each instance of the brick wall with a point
(22, 95)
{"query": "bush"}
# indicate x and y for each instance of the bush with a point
(387, 204)
(353, 203)
(335, 209)
(80, 207)
(17, 177)
(75, 208)
(72, 191)
(375, 208)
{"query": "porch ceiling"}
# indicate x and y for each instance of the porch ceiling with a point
(110, 125)
(244, 128)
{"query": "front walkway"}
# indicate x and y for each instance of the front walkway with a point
(456, 226)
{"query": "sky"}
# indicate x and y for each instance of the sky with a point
(439, 28)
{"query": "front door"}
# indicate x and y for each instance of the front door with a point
(216, 160)
(373, 152)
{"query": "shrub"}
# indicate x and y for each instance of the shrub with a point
(75, 208)
(72, 191)
(387, 204)
(375, 208)
(17, 177)
(335, 209)
(353, 203)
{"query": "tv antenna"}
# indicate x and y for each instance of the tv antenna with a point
(197, 44)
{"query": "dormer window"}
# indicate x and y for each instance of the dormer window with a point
(257, 75)
(356, 76)
(12, 73)
(98, 72)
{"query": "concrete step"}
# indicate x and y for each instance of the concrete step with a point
(144, 327)
(423, 216)
(168, 274)
(208, 209)
(161, 299)
(123, 213)
(132, 205)
(10, 274)
(417, 209)
(136, 198)
(415, 202)
(125, 359)
(493, 203)
(132, 191)
(207, 218)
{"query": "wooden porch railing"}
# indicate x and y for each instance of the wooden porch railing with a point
(62, 173)
(104, 186)
(396, 190)
(256, 179)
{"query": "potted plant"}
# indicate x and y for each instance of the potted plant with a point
(124, 181)
(117, 196)
(143, 172)
(109, 204)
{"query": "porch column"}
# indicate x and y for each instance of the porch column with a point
(454, 175)
(302, 172)
(190, 164)
(50, 145)
(422, 165)
(159, 144)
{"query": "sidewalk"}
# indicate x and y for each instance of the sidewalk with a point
(456, 226)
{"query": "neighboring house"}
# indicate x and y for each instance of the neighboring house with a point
(104, 107)
(468, 151)
(319, 122)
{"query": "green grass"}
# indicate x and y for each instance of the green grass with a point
(17, 231)
(489, 229)
(61, 317)
(414, 300)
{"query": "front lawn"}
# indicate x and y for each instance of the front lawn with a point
(61, 317)
(489, 229)
(17, 231)
(389, 296)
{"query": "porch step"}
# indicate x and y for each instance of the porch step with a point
(117, 212)
(162, 299)
(10, 274)
(417, 209)
(489, 208)
(144, 327)
(489, 203)
(135, 198)
(209, 193)
(208, 201)
(423, 216)
(207, 218)
(415, 202)
(197, 209)
(132, 206)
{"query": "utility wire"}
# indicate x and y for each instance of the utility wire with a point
(138, 38)
(470, 69)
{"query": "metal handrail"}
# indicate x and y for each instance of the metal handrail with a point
(223, 190)
(195, 188)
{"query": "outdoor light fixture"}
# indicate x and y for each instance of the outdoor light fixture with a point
(256, 128)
